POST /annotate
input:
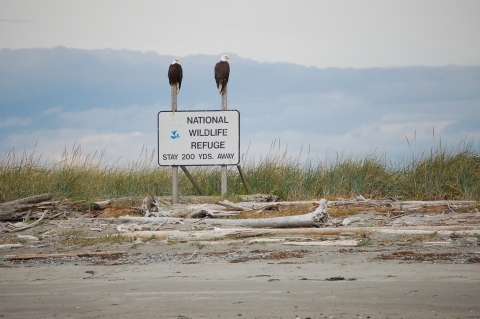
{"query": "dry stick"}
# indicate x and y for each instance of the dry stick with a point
(28, 215)
(28, 226)
(56, 215)
(244, 181)
(191, 256)
(398, 216)
(230, 205)
(160, 225)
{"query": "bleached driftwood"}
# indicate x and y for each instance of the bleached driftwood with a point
(191, 211)
(435, 219)
(253, 232)
(153, 208)
(315, 219)
(318, 218)
(28, 237)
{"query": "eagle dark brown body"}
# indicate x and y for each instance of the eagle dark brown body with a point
(175, 74)
(222, 72)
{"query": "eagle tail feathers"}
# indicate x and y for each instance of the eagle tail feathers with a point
(176, 86)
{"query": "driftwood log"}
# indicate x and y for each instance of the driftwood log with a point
(35, 206)
(12, 210)
(253, 232)
(318, 218)
(153, 207)
(29, 200)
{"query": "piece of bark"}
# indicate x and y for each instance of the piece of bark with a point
(8, 212)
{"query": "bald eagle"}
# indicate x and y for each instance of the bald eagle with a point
(175, 74)
(222, 71)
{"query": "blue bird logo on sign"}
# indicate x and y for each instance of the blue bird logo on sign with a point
(175, 135)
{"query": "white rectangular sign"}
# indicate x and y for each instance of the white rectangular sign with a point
(199, 138)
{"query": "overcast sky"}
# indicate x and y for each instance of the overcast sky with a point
(318, 33)
(336, 33)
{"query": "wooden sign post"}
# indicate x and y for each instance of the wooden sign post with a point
(199, 138)
(175, 197)
(224, 167)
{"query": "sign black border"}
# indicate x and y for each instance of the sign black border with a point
(158, 136)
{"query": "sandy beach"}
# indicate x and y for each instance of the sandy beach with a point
(445, 286)
(399, 273)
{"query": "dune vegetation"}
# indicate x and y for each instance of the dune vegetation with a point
(442, 173)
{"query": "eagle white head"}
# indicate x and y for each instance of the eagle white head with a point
(225, 58)
(175, 61)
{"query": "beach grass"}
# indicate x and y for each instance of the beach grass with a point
(442, 173)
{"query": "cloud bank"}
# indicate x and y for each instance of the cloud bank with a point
(108, 100)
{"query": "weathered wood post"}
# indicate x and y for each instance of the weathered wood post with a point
(175, 197)
(224, 167)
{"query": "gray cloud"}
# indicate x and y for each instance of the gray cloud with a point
(110, 99)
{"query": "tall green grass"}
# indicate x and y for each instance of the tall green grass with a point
(442, 173)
